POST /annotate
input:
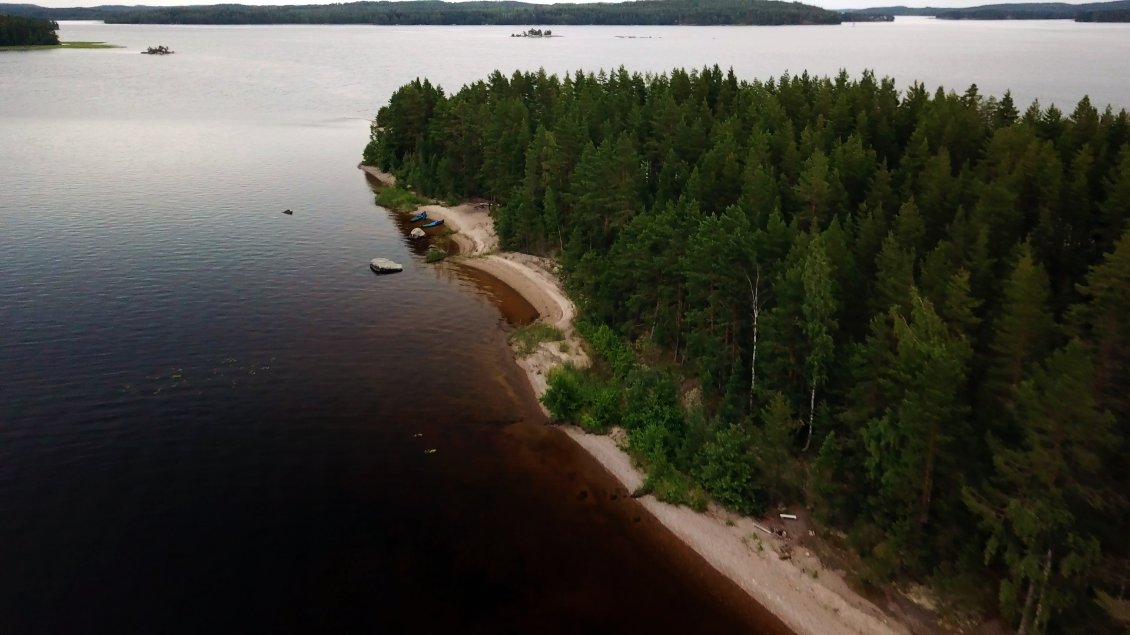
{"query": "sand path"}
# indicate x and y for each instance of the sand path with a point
(805, 595)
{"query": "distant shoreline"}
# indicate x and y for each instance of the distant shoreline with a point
(514, 14)
(809, 598)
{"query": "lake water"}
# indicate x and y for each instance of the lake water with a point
(213, 416)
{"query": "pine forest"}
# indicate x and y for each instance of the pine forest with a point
(907, 310)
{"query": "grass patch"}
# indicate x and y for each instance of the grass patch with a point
(434, 254)
(400, 199)
(527, 338)
(89, 45)
(63, 45)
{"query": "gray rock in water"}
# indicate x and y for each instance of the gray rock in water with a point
(417, 233)
(384, 265)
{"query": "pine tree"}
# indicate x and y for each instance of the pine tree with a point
(819, 310)
(1100, 322)
(911, 445)
(814, 192)
(1035, 507)
(1022, 333)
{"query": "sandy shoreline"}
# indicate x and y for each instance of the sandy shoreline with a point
(805, 595)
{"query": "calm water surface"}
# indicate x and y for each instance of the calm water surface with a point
(213, 416)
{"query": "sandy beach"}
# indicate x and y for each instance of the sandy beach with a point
(808, 597)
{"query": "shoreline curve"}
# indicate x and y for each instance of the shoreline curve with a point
(808, 597)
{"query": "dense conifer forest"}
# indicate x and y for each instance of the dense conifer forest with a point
(908, 310)
(649, 12)
(20, 31)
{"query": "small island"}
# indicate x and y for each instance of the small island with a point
(534, 33)
(160, 49)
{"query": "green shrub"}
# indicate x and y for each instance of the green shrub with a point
(672, 486)
(604, 407)
(651, 443)
(609, 348)
(565, 393)
(725, 469)
(400, 199)
(434, 254)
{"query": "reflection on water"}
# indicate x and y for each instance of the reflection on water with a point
(214, 417)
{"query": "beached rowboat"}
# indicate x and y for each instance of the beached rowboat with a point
(433, 223)
(418, 217)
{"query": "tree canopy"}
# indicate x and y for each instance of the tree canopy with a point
(20, 31)
(904, 308)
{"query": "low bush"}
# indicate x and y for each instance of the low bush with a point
(400, 199)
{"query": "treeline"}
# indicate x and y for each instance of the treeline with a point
(907, 310)
(20, 31)
(641, 12)
(1120, 15)
(1116, 11)
(1039, 11)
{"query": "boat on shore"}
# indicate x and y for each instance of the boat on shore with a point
(432, 223)
(384, 265)
(418, 217)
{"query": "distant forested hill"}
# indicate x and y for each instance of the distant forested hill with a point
(1033, 11)
(1119, 15)
(22, 31)
(1118, 11)
(898, 11)
(651, 12)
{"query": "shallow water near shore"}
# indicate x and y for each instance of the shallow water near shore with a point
(214, 417)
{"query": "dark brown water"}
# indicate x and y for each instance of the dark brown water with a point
(214, 418)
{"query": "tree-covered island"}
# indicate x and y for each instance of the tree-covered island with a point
(904, 310)
(533, 33)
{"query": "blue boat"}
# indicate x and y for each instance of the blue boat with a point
(433, 223)
(418, 217)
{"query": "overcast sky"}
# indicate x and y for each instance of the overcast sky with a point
(828, 4)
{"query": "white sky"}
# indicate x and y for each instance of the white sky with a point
(828, 4)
